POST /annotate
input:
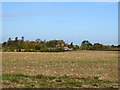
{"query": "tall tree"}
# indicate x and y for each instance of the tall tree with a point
(38, 40)
(22, 39)
(9, 41)
(71, 44)
(86, 45)
(16, 39)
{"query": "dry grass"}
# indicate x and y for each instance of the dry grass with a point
(80, 64)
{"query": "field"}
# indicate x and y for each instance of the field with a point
(75, 69)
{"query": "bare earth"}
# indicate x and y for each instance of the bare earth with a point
(80, 64)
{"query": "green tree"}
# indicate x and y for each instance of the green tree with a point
(100, 46)
(27, 41)
(38, 40)
(60, 42)
(16, 39)
(86, 45)
(71, 44)
(19, 46)
(9, 41)
(22, 39)
(37, 47)
(51, 43)
(4, 44)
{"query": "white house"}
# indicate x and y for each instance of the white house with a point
(66, 48)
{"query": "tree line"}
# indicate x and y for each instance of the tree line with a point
(51, 46)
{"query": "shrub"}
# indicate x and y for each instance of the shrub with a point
(37, 47)
(45, 49)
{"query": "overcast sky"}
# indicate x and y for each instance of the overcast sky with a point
(68, 21)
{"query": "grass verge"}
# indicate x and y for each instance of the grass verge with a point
(42, 81)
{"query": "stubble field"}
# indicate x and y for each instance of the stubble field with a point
(75, 69)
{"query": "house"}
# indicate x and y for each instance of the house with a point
(58, 46)
(51, 48)
(65, 44)
(69, 49)
(15, 50)
(32, 42)
(22, 50)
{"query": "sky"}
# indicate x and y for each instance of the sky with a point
(74, 22)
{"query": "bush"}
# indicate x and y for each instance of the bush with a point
(44, 49)
(56, 50)
(37, 47)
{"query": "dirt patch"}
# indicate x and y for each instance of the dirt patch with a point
(81, 64)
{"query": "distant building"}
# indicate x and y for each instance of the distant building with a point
(51, 48)
(32, 42)
(69, 49)
(65, 44)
